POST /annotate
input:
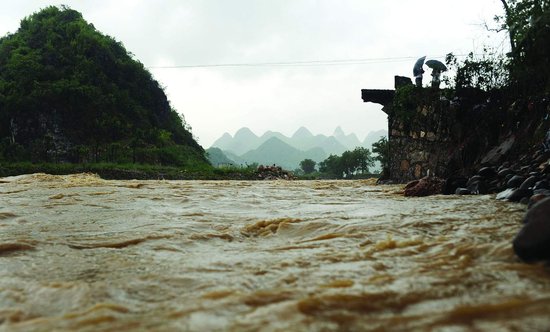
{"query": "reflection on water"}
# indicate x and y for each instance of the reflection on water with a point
(81, 253)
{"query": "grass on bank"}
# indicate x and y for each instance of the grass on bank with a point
(129, 171)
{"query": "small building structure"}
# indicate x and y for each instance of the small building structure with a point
(420, 130)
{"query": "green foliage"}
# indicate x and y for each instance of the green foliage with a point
(131, 171)
(407, 99)
(308, 166)
(488, 72)
(348, 164)
(520, 19)
(528, 23)
(332, 166)
(526, 69)
(70, 93)
(217, 158)
(382, 150)
(253, 166)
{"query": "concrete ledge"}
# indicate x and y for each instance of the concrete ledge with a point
(378, 96)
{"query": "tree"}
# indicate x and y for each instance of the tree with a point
(65, 86)
(520, 16)
(332, 166)
(488, 71)
(363, 158)
(308, 166)
(527, 22)
(382, 150)
(360, 159)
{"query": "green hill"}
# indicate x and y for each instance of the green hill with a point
(69, 93)
(275, 151)
(216, 157)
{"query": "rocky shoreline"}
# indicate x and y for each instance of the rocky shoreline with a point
(148, 172)
(273, 173)
(525, 181)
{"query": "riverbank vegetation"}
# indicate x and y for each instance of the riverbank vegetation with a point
(128, 171)
(73, 99)
(351, 164)
(72, 95)
(525, 70)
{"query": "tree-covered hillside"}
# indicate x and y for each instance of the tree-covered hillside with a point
(71, 93)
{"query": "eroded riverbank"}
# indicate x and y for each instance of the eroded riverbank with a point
(79, 252)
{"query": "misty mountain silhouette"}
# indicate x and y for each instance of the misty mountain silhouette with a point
(276, 148)
(349, 141)
(275, 151)
(374, 136)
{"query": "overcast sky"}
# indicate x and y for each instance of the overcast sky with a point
(387, 35)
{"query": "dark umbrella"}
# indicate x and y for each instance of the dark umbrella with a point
(417, 69)
(436, 65)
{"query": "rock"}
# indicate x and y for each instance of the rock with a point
(541, 158)
(524, 200)
(425, 187)
(273, 173)
(411, 184)
(536, 198)
(462, 191)
(515, 181)
(546, 142)
(474, 179)
(453, 183)
(487, 172)
(528, 183)
(505, 172)
(507, 178)
(517, 194)
(504, 194)
(497, 153)
(496, 186)
(532, 243)
(543, 184)
(479, 188)
(545, 192)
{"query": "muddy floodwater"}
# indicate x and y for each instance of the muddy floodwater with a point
(81, 253)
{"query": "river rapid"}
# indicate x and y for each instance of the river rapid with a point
(81, 253)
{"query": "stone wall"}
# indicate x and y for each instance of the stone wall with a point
(430, 134)
(422, 143)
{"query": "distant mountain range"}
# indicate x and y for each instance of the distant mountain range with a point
(245, 147)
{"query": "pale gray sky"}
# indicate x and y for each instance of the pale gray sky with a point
(215, 100)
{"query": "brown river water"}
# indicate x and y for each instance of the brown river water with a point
(79, 253)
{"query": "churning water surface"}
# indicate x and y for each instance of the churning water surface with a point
(81, 253)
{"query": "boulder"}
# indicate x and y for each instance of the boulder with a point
(425, 187)
(453, 183)
(505, 172)
(528, 183)
(474, 179)
(487, 172)
(504, 194)
(462, 191)
(479, 188)
(543, 184)
(535, 199)
(515, 181)
(273, 173)
(411, 184)
(518, 194)
(497, 153)
(532, 243)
